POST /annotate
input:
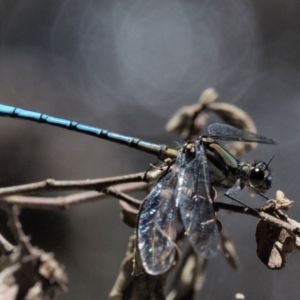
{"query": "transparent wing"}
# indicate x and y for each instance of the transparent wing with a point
(156, 226)
(229, 133)
(196, 206)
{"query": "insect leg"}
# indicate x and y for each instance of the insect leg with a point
(236, 190)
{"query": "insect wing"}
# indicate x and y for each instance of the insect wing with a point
(229, 133)
(156, 226)
(196, 206)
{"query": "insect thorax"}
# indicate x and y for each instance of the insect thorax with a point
(223, 167)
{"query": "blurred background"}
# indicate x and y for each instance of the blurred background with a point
(127, 66)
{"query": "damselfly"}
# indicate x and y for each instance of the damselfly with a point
(185, 187)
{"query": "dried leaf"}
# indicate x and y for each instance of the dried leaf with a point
(37, 276)
(233, 115)
(208, 96)
(181, 120)
(282, 202)
(189, 121)
(53, 273)
(274, 245)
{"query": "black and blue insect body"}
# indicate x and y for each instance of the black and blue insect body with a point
(185, 187)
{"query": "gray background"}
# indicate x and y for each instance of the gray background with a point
(128, 66)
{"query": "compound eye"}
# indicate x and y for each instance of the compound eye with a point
(257, 177)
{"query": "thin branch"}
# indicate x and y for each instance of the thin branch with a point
(122, 196)
(17, 227)
(6, 247)
(119, 193)
(66, 185)
(74, 199)
(295, 228)
(289, 224)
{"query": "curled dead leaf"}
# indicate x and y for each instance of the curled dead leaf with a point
(282, 202)
(33, 277)
(274, 245)
(208, 96)
(233, 115)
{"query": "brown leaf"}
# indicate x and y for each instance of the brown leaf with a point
(282, 202)
(189, 121)
(274, 245)
(53, 273)
(182, 120)
(37, 276)
(233, 115)
(208, 96)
